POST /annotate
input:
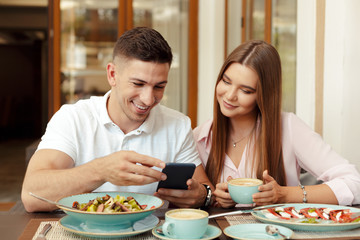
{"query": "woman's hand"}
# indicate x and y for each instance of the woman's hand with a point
(222, 195)
(271, 192)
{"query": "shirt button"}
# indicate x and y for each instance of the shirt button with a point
(138, 131)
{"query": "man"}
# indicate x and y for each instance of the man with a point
(121, 141)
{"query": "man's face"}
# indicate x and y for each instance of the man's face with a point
(136, 88)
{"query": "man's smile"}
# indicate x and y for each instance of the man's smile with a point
(140, 108)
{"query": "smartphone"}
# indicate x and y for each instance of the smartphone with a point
(177, 175)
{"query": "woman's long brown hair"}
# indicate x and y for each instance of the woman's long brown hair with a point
(265, 61)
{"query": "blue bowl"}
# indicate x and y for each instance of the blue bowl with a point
(120, 220)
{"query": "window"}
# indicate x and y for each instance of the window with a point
(273, 21)
(84, 33)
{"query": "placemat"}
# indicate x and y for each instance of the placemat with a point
(349, 234)
(57, 232)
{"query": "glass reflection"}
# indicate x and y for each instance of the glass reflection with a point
(255, 19)
(284, 39)
(88, 33)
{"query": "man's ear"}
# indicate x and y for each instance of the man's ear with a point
(110, 70)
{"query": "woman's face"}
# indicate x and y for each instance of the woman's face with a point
(236, 91)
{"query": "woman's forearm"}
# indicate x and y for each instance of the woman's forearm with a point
(321, 193)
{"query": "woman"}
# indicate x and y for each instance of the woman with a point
(249, 136)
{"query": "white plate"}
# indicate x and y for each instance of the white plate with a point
(255, 231)
(322, 226)
(71, 224)
(211, 233)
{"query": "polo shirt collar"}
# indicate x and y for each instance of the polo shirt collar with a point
(147, 126)
(104, 115)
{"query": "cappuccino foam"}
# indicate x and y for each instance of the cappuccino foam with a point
(187, 215)
(245, 182)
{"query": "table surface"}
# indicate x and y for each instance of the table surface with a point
(16, 223)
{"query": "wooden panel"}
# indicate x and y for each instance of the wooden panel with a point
(268, 13)
(193, 62)
(125, 16)
(54, 57)
(129, 15)
(121, 18)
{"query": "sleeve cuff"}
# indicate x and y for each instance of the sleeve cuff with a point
(342, 192)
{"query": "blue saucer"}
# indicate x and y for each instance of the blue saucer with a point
(211, 233)
(254, 231)
(75, 226)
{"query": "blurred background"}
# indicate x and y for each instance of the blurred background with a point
(54, 52)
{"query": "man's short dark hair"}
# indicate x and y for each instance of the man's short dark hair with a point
(144, 44)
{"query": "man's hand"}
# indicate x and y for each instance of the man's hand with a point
(222, 195)
(126, 168)
(194, 196)
(56, 169)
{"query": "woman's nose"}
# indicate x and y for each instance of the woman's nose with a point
(232, 94)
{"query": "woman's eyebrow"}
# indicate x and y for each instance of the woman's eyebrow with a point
(244, 86)
(224, 75)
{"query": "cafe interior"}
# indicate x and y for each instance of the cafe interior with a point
(54, 52)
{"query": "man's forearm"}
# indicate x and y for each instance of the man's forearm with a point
(58, 183)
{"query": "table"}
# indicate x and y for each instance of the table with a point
(16, 223)
(14, 220)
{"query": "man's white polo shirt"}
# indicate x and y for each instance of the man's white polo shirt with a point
(84, 131)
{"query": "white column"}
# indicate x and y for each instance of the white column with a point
(211, 53)
(305, 61)
(341, 78)
(334, 73)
